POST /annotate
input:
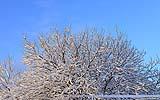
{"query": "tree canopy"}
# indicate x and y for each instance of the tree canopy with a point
(63, 64)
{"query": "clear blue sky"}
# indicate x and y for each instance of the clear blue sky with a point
(139, 19)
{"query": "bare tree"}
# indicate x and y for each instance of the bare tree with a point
(7, 75)
(64, 64)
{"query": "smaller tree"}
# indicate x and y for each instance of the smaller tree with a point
(7, 76)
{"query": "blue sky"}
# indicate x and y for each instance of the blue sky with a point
(138, 19)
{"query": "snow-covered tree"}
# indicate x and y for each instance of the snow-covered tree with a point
(63, 64)
(7, 76)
